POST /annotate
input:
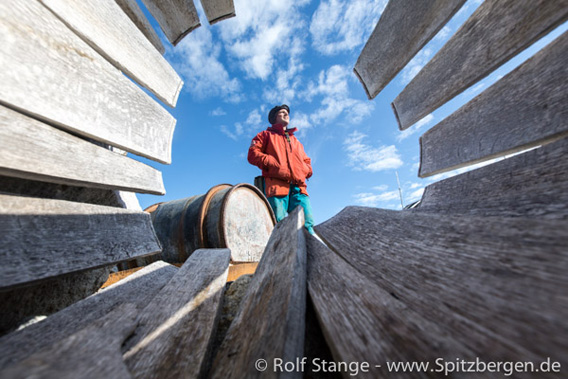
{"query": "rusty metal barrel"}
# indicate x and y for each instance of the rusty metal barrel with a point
(236, 217)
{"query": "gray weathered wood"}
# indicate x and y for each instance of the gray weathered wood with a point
(496, 283)
(108, 30)
(139, 288)
(271, 320)
(132, 10)
(403, 29)
(524, 109)
(177, 18)
(37, 151)
(532, 184)
(363, 322)
(497, 31)
(176, 329)
(43, 238)
(93, 352)
(51, 74)
(218, 10)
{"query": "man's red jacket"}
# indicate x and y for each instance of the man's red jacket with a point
(282, 161)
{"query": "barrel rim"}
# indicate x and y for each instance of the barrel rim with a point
(203, 210)
(221, 223)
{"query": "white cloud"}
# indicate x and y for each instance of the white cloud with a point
(218, 112)
(375, 200)
(338, 26)
(415, 65)
(362, 156)
(414, 128)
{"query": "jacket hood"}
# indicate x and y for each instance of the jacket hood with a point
(279, 128)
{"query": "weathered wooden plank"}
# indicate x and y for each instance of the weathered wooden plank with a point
(43, 238)
(497, 31)
(363, 322)
(175, 330)
(34, 150)
(51, 74)
(93, 352)
(532, 184)
(177, 18)
(403, 29)
(218, 10)
(138, 288)
(133, 11)
(271, 319)
(496, 283)
(108, 30)
(524, 109)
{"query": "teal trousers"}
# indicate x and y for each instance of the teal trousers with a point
(282, 205)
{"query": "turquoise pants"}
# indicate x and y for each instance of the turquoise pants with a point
(282, 205)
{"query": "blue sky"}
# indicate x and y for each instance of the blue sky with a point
(301, 53)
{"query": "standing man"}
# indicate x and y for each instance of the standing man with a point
(285, 166)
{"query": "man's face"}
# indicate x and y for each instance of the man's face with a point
(282, 117)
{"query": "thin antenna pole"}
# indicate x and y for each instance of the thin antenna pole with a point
(399, 190)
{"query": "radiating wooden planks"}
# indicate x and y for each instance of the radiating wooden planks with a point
(93, 352)
(177, 18)
(524, 109)
(218, 10)
(532, 184)
(139, 288)
(363, 322)
(175, 330)
(43, 238)
(37, 151)
(498, 30)
(108, 30)
(271, 319)
(403, 29)
(133, 11)
(496, 283)
(51, 74)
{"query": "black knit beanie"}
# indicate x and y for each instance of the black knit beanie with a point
(276, 109)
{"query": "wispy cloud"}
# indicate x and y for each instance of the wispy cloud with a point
(338, 26)
(376, 199)
(362, 156)
(414, 128)
(415, 65)
(218, 112)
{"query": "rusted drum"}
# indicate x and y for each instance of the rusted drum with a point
(236, 217)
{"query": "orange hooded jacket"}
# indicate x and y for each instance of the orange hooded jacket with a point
(282, 160)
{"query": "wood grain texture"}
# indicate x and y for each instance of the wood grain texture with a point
(52, 75)
(133, 11)
(403, 29)
(177, 18)
(496, 284)
(218, 10)
(44, 238)
(497, 31)
(93, 352)
(108, 30)
(139, 288)
(524, 109)
(175, 330)
(532, 184)
(363, 322)
(34, 150)
(271, 319)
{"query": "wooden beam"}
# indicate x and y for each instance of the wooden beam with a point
(532, 184)
(177, 18)
(36, 151)
(524, 109)
(108, 30)
(403, 29)
(176, 328)
(93, 352)
(271, 319)
(138, 288)
(133, 11)
(218, 10)
(52, 75)
(496, 284)
(44, 238)
(496, 32)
